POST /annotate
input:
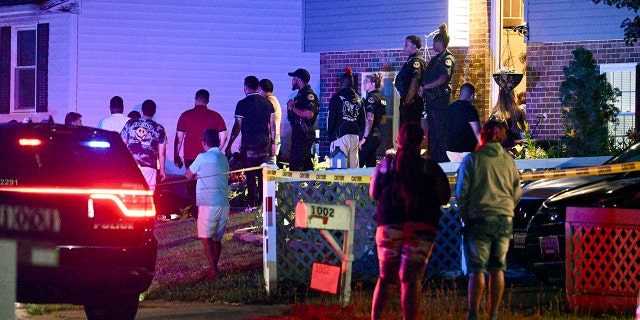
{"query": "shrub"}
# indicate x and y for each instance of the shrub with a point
(587, 106)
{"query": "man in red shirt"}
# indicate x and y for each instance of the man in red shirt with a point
(190, 130)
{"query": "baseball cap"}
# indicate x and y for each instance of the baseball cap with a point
(302, 74)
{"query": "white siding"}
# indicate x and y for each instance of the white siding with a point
(347, 25)
(573, 20)
(62, 55)
(165, 50)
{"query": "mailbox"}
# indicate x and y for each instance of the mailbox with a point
(331, 217)
(322, 216)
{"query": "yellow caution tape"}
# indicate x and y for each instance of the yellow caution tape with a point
(272, 174)
(317, 176)
(582, 171)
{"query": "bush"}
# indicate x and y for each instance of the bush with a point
(587, 99)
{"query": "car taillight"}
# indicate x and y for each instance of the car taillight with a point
(131, 205)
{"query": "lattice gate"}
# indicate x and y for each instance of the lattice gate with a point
(603, 264)
(298, 248)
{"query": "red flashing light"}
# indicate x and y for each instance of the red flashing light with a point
(30, 142)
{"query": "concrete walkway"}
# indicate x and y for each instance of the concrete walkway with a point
(156, 310)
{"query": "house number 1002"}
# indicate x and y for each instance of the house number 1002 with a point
(322, 211)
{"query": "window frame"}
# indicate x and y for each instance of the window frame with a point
(619, 132)
(8, 58)
(15, 67)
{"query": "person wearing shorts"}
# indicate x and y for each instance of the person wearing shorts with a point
(487, 191)
(212, 188)
(409, 190)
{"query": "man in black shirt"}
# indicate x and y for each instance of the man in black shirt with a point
(462, 125)
(255, 119)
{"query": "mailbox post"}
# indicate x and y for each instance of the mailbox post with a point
(332, 217)
(8, 247)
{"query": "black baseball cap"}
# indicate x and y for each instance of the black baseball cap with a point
(302, 74)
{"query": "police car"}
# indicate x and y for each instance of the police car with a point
(82, 217)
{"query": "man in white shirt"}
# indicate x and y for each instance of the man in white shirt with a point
(266, 90)
(117, 120)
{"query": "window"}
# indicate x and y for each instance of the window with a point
(24, 68)
(24, 71)
(623, 77)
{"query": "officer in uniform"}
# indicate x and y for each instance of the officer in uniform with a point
(376, 114)
(302, 113)
(409, 79)
(437, 92)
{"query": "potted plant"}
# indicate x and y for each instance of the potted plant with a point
(507, 78)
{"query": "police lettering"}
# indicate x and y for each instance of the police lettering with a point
(29, 219)
(113, 226)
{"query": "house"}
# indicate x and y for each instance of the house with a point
(165, 50)
(486, 34)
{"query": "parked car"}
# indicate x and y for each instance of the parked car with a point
(82, 216)
(536, 192)
(545, 241)
(171, 198)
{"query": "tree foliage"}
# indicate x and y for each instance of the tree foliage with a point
(631, 26)
(588, 106)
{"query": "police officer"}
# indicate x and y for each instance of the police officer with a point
(409, 79)
(437, 93)
(376, 114)
(302, 113)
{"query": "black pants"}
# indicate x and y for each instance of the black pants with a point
(253, 158)
(300, 154)
(367, 154)
(412, 112)
(191, 192)
(436, 121)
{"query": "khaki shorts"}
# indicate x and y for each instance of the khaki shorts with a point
(212, 222)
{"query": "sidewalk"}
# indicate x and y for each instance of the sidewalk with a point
(156, 310)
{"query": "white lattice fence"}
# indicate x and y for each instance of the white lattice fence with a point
(298, 248)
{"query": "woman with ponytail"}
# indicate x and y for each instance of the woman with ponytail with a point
(409, 190)
(375, 107)
(437, 90)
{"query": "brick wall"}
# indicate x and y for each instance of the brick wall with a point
(472, 65)
(544, 75)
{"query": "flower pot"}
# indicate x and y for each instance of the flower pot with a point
(507, 81)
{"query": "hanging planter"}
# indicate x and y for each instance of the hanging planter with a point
(507, 80)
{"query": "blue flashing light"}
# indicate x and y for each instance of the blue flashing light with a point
(98, 144)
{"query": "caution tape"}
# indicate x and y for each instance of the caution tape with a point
(271, 174)
(582, 171)
(317, 176)
(213, 175)
(574, 172)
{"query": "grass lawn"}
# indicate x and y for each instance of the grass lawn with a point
(182, 267)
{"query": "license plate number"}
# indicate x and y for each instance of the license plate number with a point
(518, 240)
(549, 245)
